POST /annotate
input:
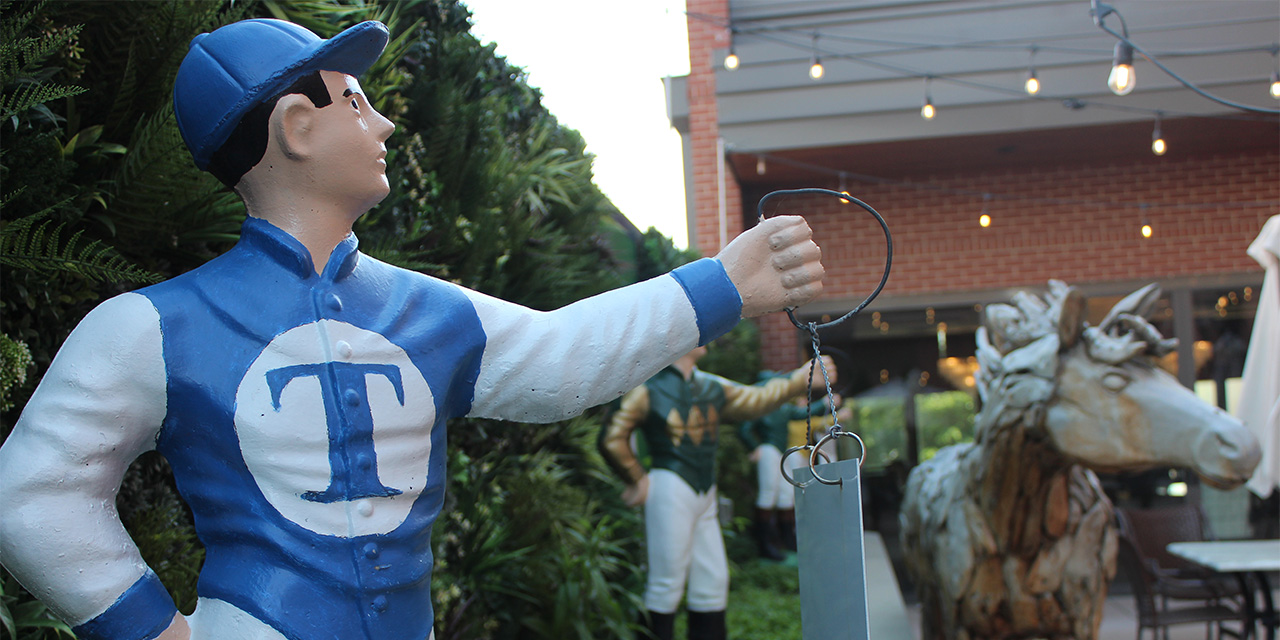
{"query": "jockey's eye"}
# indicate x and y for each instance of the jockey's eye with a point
(1115, 381)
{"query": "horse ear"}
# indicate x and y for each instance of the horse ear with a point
(1071, 319)
(1139, 303)
(999, 319)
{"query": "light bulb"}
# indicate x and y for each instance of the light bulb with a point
(1033, 84)
(984, 221)
(1158, 145)
(760, 167)
(731, 61)
(1146, 230)
(1123, 77)
(1275, 84)
(927, 111)
(815, 69)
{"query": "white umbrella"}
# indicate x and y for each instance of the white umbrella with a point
(1260, 390)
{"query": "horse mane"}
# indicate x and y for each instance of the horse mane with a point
(1019, 346)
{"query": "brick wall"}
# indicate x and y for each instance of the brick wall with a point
(705, 37)
(1046, 223)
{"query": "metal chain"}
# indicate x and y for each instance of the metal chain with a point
(817, 362)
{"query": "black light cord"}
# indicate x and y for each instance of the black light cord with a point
(817, 364)
(1099, 11)
(888, 259)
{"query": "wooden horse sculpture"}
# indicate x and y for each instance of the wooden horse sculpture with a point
(1011, 536)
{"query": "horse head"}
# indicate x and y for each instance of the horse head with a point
(1096, 393)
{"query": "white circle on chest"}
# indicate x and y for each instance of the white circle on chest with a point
(356, 472)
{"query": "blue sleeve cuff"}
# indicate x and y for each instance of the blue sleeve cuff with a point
(714, 298)
(142, 612)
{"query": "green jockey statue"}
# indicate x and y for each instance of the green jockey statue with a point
(767, 438)
(678, 411)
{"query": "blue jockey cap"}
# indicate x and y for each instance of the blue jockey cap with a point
(236, 67)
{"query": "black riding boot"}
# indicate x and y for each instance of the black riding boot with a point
(707, 625)
(766, 531)
(787, 528)
(661, 626)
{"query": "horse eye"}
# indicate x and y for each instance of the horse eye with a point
(1115, 381)
(355, 104)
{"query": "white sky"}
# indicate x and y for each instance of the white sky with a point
(600, 66)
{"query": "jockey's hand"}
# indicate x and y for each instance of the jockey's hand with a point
(178, 629)
(774, 265)
(636, 494)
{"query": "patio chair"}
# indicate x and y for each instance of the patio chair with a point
(1152, 530)
(1155, 588)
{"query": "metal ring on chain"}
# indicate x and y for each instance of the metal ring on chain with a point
(888, 239)
(835, 433)
(782, 464)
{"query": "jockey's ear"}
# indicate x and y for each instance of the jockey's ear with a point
(293, 126)
(1071, 321)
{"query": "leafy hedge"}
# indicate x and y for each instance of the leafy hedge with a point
(100, 196)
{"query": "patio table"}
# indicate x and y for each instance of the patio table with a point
(1241, 558)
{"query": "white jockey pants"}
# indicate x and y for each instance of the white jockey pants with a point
(774, 492)
(685, 545)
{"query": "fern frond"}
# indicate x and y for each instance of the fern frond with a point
(159, 194)
(19, 55)
(24, 244)
(30, 94)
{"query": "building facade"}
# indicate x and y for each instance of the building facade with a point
(1001, 189)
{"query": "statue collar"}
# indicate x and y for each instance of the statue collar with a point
(272, 242)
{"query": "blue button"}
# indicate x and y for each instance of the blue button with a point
(334, 302)
(353, 397)
(371, 550)
(380, 604)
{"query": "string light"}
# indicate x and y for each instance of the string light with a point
(984, 220)
(844, 189)
(731, 61)
(1099, 11)
(1122, 78)
(1158, 145)
(1275, 74)
(928, 111)
(760, 167)
(1033, 83)
(815, 63)
(1146, 224)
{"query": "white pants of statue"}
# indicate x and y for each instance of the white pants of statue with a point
(774, 491)
(685, 545)
(216, 619)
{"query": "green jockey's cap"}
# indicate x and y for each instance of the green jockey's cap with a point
(236, 67)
